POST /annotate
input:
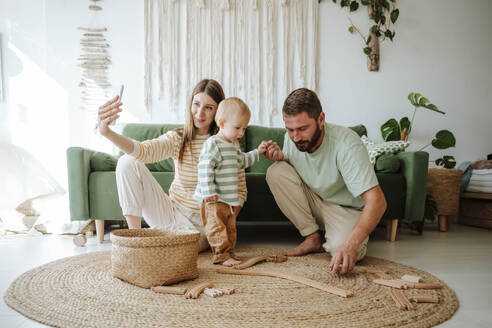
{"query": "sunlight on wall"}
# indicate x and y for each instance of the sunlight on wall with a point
(38, 116)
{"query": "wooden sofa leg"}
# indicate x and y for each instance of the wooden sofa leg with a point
(443, 223)
(391, 227)
(100, 231)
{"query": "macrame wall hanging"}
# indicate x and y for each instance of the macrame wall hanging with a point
(94, 61)
(259, 50)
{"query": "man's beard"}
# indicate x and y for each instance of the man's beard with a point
(308, 145)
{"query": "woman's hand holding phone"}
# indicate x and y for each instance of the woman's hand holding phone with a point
(109, 113)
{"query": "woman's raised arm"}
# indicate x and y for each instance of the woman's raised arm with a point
(108, 113)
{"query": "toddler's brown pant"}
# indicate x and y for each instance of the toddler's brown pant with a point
(219, 222)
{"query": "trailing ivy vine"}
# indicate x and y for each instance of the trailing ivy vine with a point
(383, 14)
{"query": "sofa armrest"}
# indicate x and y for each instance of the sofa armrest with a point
(79, 168)
(414, 166)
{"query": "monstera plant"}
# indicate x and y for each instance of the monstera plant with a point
(394, 130)
(401, 130)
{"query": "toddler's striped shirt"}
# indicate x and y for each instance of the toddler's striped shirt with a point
(218, 170)
(185, 175)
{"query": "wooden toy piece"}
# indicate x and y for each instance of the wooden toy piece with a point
(426, 286)
(169, 290)
(372, 270)
(197, 290)
(79, 240)
(424, 299)
(228, 291)
(400, 299)
(302, 280)
(397, 301)
(213, 292)
(411, 278)
(418, 285)
(392, 283)
(254, 260)
(381, 274)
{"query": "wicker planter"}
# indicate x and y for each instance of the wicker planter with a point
(444, 186)
(151, 257)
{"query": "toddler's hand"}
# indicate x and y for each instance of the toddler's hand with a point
(211, 199)
(262, 148)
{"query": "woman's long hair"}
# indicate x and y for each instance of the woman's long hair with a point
(214, 90)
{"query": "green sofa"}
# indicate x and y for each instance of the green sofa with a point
(93, 194)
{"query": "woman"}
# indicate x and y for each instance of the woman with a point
(139, 192)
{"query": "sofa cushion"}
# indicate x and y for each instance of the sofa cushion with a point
(103, 162)
(254, 136)
(387, 163)
(388, 147)
(359, 129)
(141, 132)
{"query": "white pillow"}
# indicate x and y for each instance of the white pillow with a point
(389, 147)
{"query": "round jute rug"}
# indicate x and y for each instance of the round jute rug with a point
(79, 291)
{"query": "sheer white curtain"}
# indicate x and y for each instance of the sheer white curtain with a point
(30, 198)
(23, 177)
(259, 50)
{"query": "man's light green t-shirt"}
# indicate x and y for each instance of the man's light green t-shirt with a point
(339, 171)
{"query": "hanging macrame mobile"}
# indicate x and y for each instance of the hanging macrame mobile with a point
(94, 60)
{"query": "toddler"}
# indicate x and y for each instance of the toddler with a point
(220, 163)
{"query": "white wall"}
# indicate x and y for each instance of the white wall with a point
(40, 47)
(442, 49)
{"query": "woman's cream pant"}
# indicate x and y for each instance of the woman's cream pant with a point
(141, 195)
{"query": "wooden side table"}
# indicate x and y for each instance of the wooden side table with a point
(476, 209)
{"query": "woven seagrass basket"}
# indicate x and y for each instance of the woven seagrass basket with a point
(152, 257)
(444, 186)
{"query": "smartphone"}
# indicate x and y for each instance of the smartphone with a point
(121, 92)
(122, 88)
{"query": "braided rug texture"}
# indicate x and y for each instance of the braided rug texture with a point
(79, 291)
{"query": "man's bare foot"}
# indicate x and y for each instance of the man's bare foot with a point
(312, 244)
(231, 262)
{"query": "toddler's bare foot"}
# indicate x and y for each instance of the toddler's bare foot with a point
(234, 256)
(231, 262)
(312, 244)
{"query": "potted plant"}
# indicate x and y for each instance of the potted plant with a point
(442, 185)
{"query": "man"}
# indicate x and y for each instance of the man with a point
(323, 177)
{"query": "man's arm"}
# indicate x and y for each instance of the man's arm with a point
(343, 260)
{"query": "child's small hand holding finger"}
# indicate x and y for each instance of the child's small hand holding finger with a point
(262, 148)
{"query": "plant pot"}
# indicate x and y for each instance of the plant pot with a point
(444, 186)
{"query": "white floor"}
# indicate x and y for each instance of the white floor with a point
(462, 257)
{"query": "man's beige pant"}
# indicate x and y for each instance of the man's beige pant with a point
(141, 195)
(307, 211)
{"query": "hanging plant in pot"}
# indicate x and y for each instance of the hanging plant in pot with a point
(383, 14)
(442, 185)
